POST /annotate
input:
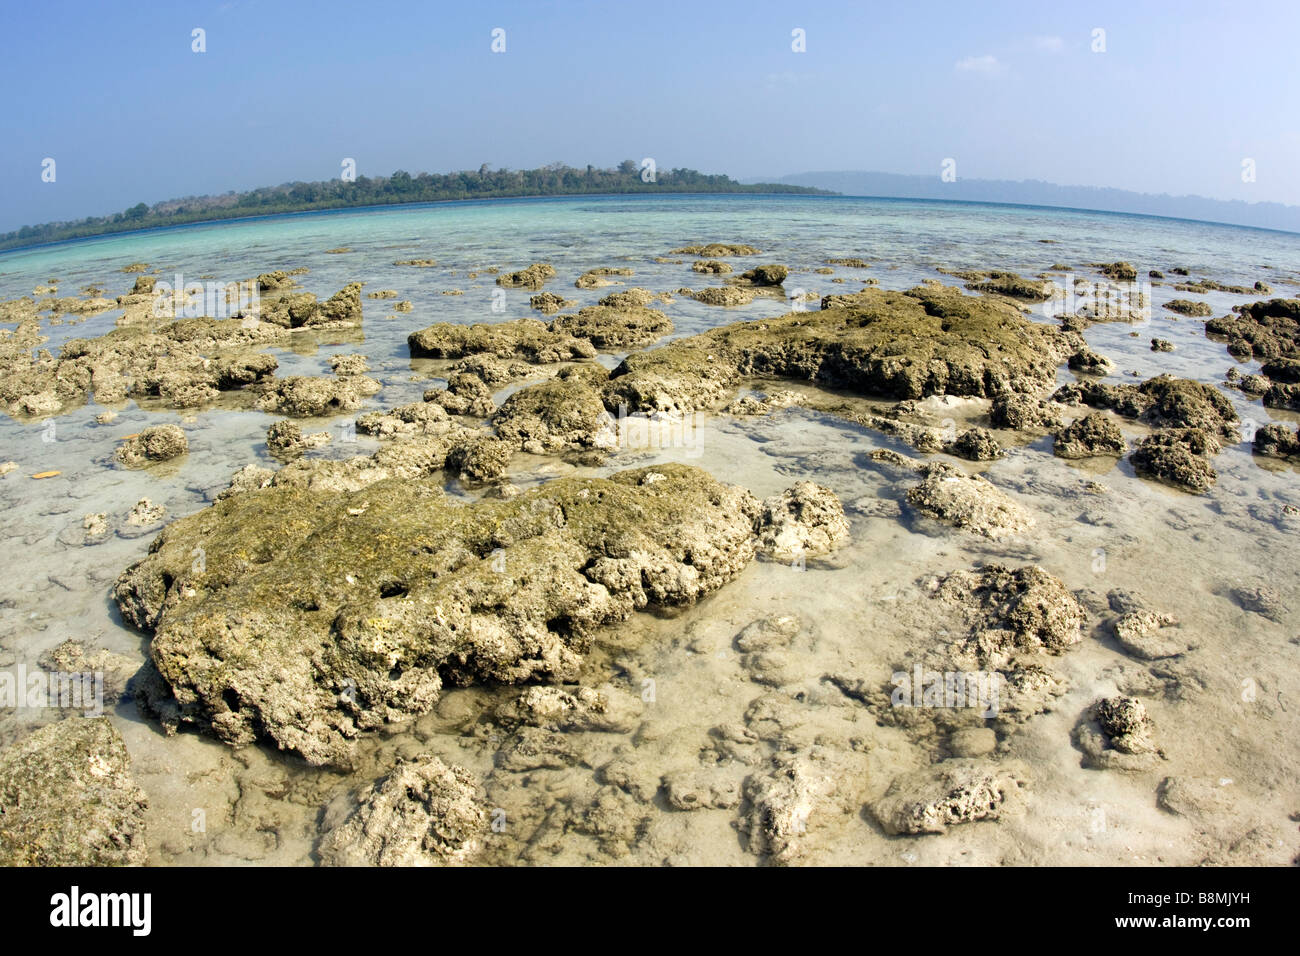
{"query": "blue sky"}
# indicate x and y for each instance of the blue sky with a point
(113, 92)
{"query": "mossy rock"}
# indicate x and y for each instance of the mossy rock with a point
(321, 613)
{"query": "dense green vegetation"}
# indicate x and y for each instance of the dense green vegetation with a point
(401, 187)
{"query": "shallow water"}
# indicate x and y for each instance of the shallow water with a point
(1225, 710)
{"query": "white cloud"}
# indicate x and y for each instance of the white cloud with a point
(980, 64)
(1049, 44)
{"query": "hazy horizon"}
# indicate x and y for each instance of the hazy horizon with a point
(286, 92)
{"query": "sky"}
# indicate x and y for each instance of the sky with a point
(1179, 98)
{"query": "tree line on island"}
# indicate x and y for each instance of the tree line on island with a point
(556, 179)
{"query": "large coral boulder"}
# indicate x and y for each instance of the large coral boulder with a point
(325, 610)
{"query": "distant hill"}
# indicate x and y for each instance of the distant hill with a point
(556, 179)
(1032, 192)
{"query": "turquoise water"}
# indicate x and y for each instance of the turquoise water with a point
(1161, 542)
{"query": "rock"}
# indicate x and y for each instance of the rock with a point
(969, 502)
(337, 598)
(349, 364)
(766, 275)
(527, 339)
(1197, 797)
(533, 748)
(1263, 330)
(1179, 457)
(768, 633)
(1012, 610)
(423, 813)
(1161, 345)
(976, 444)
(154, 444)
(74, 657)
(95, 525)
(68, 799)
(852, 262)
(781, 800)
(700, 790)
(1092, 435)
(806, 520)
(144, 513)
(711, 267)
(549, 303)
(285, 437)
(1090, 363)
(1138, 633)
(723, 295)
(479, 459)
(583, 710)
(949, 793)
(1023, 412)
(715, 250)
(1119, 271)
(532, 277)
(564, 413)
(1012, 286)
(1198, 310)
(927, 341)
(304, 396)
(1122, 739)
(1124, 720)
(594, 278)
(615, 324)
(1262, 600)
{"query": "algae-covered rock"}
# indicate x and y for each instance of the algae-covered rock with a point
(1262, 329)
(595, 278)
(548, 303)
(766, 275)
(716, 250)
(529, 340)
(67, 798)
(533, 277)
(329, 607)
(1169, 402)
(952, 792)
(711, 267)
(1023, 412)
(1013, 286)
(423, 813)
(1179, 457)
(1119, 271)
(307, 396)
(1089, 436)
(154, 444)
(724, 296)
(1188, 307)
(615, 324)
(928, 341)
(1277, 441)
(564, 413)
